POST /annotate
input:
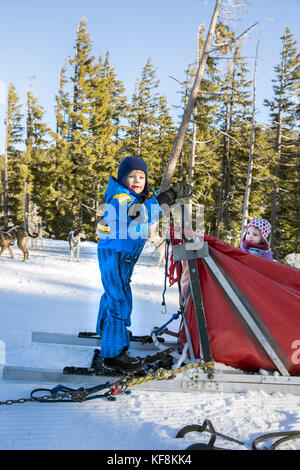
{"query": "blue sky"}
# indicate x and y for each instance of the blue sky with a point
(36, 36)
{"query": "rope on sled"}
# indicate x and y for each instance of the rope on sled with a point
(175, 316)
(164, 374)
(176, 238)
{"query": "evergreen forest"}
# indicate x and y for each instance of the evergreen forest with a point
(239, 168)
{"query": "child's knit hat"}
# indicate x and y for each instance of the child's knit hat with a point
(263, 226)
(133, 163)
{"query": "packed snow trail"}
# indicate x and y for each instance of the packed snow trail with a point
(49, 293)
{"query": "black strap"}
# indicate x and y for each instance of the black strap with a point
(199, 309)
(284, 436)
(76, 394)
(287, 436)
(206, 426)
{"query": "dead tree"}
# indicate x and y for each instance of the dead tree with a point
(178, 144)
(5, 179)
(193, 151)
(278, 152)
(251, 151)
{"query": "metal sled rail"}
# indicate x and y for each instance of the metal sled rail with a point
(191, 381)
(74, 340)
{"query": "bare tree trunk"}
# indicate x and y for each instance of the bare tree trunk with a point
(252, 141)
(275, 193)
(26, 204)
(170, 168)
(228, 166)
(193, 151)
(139, 142)
(28, 158)
(221, 195)
(76, 84)
(5, 182)
(225, 150)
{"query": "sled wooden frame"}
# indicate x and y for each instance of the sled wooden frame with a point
(246, 313)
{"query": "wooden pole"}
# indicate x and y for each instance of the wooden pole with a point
(193, 151)
(178, 144)
(251, 152)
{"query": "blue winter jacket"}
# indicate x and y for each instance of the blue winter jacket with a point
(117, 230)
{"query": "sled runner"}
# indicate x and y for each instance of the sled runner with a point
(191, 379)
(91, 339)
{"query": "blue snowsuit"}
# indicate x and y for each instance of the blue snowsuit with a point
(122, 240)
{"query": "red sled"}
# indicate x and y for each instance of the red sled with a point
(238, 309)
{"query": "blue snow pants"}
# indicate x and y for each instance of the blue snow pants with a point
(116, 302)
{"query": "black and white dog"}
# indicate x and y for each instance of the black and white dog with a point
(74, 239)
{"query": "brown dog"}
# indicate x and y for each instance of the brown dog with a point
(8, 235)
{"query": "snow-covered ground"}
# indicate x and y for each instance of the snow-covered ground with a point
(49, 293)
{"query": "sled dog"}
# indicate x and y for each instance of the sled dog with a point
(293, 259)
(74, 239)
(34, 241)
(159, 244)
(160, 250)
(9, 235)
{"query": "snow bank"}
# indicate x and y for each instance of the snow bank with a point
(49, 293)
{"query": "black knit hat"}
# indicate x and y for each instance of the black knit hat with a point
(133, 163)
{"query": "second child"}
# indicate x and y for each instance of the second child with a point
(255, 239)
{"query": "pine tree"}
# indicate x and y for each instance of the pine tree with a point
(262, 178)
(14, 184)
(184, 156)
(39, 166)
(80, 149)
(108, 106)
(234, 121)
(59, 219)
(62, 162)
(204, 162)
(163, 139)
(142, 114)
(283, 113)
(90, 108)
(207, 136)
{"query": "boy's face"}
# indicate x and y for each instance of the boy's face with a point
(136, 180)
(253, 236)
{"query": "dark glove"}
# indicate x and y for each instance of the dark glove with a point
(182, 190)
(178, 191)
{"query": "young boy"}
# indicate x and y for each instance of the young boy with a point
(123, 230)
(255, 239)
